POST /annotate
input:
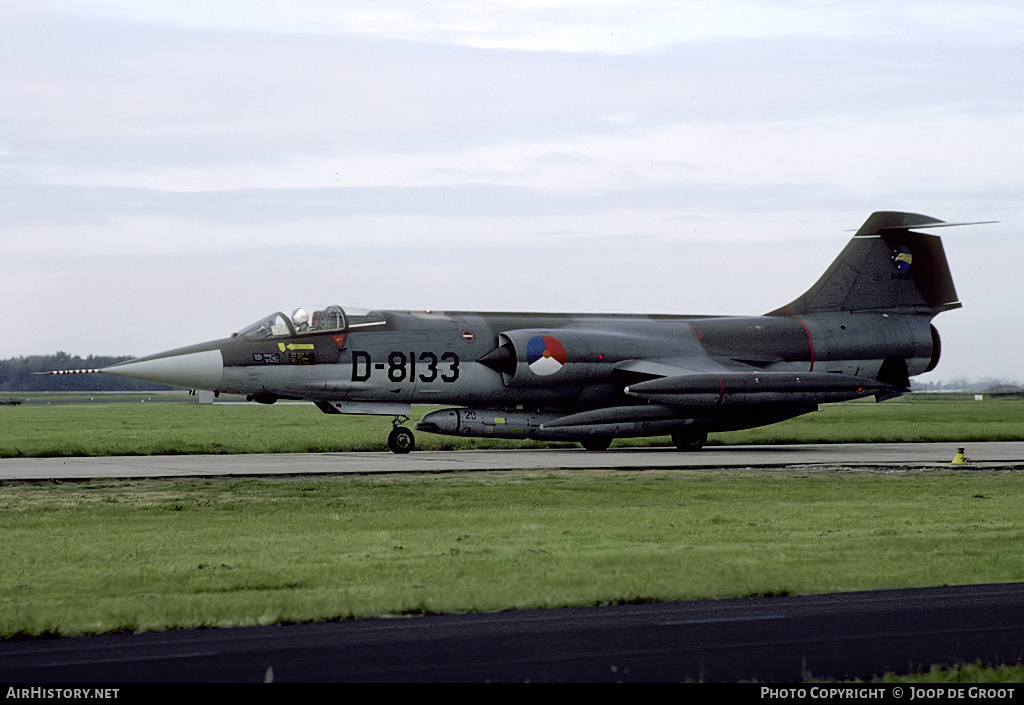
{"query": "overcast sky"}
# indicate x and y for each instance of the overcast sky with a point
(171, 172)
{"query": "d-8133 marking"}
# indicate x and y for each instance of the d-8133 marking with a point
(408, 367)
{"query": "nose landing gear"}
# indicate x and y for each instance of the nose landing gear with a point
(400, 440)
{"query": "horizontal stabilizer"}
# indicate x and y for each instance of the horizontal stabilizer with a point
(883, 221)
(940, 225)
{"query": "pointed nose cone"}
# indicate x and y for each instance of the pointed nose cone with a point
(192, 370)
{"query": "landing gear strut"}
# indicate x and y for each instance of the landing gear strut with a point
(400, 440)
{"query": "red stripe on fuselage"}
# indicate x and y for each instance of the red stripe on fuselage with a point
(810, 339)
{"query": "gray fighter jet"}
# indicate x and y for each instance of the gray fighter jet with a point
(863, 329)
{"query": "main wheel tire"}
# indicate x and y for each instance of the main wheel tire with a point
(596, 443)
(689, 441)
(401, 440)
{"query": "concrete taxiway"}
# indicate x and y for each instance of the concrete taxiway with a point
(1008, 455)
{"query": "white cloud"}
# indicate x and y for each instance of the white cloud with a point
(908, 150)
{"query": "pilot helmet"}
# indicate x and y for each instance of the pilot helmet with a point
(300, 316)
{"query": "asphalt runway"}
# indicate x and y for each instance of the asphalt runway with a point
(774, 639)
(841, 455)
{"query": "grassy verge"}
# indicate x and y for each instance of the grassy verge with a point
(107, 556)
(960, 673)
(93, 429)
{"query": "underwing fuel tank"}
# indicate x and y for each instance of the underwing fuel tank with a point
(502, 423)
(620, 422)
(485, 423)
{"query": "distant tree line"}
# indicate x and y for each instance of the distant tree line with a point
(16, 375)
(989, 386)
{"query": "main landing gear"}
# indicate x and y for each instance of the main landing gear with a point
(596, 443)
(400, 440)
(689, 440)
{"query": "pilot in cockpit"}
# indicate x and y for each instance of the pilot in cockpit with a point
(301, 320)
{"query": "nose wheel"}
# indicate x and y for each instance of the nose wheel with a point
(401, 440)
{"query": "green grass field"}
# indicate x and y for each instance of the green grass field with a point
(107, 556)
(166, 428)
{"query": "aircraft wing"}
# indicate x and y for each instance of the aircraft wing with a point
(677, 388)
(710, 382)
(671, 367)
(755, 387)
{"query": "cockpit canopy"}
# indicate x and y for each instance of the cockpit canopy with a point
(312, 320)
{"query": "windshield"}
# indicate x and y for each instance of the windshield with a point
(311, 319)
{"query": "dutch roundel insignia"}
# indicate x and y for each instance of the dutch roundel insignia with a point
(545, 355)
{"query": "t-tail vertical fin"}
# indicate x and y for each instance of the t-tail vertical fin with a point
(887, 268)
